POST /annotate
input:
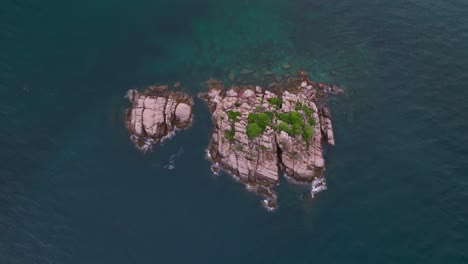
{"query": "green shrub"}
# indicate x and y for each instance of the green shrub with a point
(254, 130)
(296, 118)
(233, 115)
(307, 132)
(311, 121)
(296, 129)
(282, 126)
(270, 115)
(291, 118)
(299, 106)
(284, 117)
(261, 119)
(230, 134)
(237, 104)
(257, 123)
(292, 123)
(275, 101)
(307, 111)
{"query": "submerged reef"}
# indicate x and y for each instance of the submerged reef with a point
(261, 134)
(156, 113)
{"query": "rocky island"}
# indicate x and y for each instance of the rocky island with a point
(261, 134)
(156, 114)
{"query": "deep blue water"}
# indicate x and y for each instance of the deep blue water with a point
(73, 189)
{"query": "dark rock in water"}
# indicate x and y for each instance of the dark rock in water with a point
(330, 88)
(156, 113)
(334, 89)
(259, 135)
(303, 74)
(177, 85)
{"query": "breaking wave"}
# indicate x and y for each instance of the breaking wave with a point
(317, 186)
(173, 158)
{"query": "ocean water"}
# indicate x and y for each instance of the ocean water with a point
(73, 189)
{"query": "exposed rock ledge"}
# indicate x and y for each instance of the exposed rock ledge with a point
(156, 113)
(259, 135)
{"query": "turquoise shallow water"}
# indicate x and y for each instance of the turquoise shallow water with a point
(73, 189)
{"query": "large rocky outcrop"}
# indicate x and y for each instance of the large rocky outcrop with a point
(260, 134)
(156, 113)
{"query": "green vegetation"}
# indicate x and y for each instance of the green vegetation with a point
(237, 104)
(270, 115)
(257, 123)
(297, 129)
(296, 119)
(307, 132)
(233, 115)
(291, 118)
(283, 117)
(299, 106)
(253, 130)
(311, 121)
(307, 111)
(282, 126)
(230, 134)
(276, 102)
(261, 119)
(293, 124)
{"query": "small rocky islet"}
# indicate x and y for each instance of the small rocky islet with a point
(258, 134)
(156, 114)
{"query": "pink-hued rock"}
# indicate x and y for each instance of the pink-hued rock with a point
(156, 113)
(183, 113)
(259, 161)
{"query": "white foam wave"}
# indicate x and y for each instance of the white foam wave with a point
(208, 155)
(317, 186)
(250, 187)
(147, 143)
(215, 169)
(168, 136)
(265, 203)
(173, 158)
